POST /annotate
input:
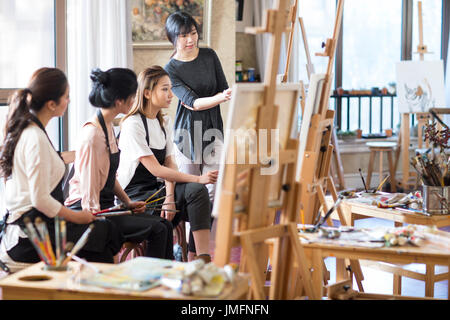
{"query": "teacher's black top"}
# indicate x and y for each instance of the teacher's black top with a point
(199, 78)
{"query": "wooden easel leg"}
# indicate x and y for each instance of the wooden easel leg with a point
(257, 279)
(303, 263)
(392, 172)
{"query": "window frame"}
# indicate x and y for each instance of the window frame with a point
(60, 28)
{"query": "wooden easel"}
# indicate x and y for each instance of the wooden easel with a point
(315, 171)
(422, 119)
(310, 70)
(255, 224)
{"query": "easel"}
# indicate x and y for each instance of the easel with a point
(310, 70)
(315, 167)
(255, 224)
(422, 119)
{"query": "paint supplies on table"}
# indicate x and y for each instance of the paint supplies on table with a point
(143, 273)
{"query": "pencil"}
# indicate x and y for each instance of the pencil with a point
(149, 198)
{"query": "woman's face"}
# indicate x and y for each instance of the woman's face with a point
(187, 42)
(61, 107)
(127, 104)
(162, 93)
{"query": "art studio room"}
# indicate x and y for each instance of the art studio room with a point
(284, 150)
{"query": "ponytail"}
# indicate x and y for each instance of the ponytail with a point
(18, 119)
(46, 84)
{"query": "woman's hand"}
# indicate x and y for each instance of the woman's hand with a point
(170, 214)
(227, 94)
(209, 177)
(82, 217)
(137, 207)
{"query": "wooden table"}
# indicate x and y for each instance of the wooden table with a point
(353, 210)
(34, 283)
(316, 252)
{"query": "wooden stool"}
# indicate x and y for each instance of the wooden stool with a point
(381, 147)
(137, 249)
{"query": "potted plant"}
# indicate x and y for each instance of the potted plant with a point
(346, 135)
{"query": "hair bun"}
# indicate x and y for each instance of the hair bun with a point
(100, 77)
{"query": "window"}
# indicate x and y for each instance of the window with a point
(315, 14)
(32, 37)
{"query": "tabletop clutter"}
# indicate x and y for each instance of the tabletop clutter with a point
(193, 278)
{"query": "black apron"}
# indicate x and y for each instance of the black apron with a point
(143, 180)
(103, 243)
(144, 183)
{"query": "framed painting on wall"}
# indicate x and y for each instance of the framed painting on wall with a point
(148, 18)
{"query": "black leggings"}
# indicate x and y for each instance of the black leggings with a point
(192, 199)
(137, 228)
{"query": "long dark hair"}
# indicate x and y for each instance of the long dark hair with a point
(178, 23)
(147, 79)
(46, 84)
(111, 85)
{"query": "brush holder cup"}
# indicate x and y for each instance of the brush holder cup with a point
(436, 200)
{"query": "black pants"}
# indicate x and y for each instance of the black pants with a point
(192, 199)
(137, 228)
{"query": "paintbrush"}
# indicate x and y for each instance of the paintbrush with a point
(35, 243)
(154, 194)
(57, 238)
(159, 199)
(34, 238)
(42, 227)
(84, 262)
(63, 236)
(161, 209)
(115, 213)
(325, 217)
(115, 208)
(381, 184)
(80, 243)
(363, 181)
(4, 267)
(66, 250)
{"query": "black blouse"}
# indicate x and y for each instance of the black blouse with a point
(199, 78)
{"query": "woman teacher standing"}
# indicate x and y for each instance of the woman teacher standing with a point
(34, 172)
(200, 85)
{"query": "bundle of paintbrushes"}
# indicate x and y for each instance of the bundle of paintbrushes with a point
(157, 204)
(433, 170)
(119, 210)
(39, 236)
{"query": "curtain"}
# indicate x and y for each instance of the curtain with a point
(98, 36)
(446, 118)
(262, 40)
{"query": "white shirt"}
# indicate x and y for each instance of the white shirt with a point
(133, 145)
(37, 170)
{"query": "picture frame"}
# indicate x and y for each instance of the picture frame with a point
(148, 18)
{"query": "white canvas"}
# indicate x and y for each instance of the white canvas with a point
(420, 86)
